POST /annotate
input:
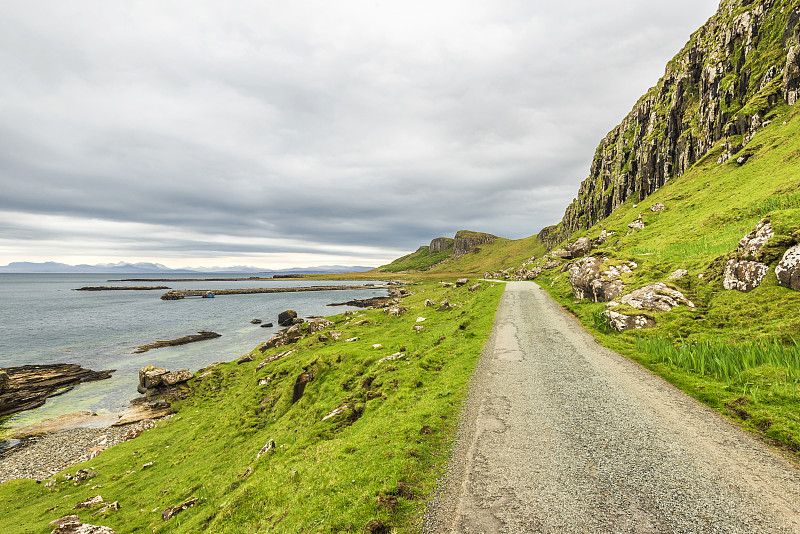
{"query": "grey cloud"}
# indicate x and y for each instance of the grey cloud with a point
(367, 123)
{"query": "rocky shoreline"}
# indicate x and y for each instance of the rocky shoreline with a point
(40, 457)
(29, 386)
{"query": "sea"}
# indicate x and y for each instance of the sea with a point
(44, 321)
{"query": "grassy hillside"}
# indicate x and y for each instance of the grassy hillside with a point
(502, 254)
(371, 464)
(738, 352)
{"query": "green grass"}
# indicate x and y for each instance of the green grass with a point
(378, 460)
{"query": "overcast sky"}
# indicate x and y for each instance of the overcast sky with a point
(279, 134)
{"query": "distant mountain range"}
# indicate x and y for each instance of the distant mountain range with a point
(157, 268)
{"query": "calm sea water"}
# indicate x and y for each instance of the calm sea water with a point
(44, 321)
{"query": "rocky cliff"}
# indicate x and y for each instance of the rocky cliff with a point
(724, 84)
(466, 241)
(440, 244)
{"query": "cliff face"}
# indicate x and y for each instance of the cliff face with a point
(466, 241)
(440, 244)
(722, 86)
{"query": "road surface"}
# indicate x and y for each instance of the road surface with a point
(562, 435)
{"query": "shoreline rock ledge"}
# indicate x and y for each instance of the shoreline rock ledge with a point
(29, 386)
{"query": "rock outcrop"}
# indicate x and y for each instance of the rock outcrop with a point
(736, 68)
(29, 386)
(441, 244)
(788, 269)
(589, 280)
(621, 322)
(656, 296)
(742, 272)
(466, 241)
(157, 381)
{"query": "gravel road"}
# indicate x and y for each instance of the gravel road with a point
(562, 435)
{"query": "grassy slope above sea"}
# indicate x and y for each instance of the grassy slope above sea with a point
(373, 463)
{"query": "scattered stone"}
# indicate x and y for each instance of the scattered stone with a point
(148, 464)
(268, 448)
(658, 206)
(65, 519)
(352, 339)
(91, 502)
(377, 346)
(395, 356)
(285, 337)
(429, 302)
(266, 325)
(622, 322)
(396, 310)
(680, 273)
(420, 319)
(638, 224)
(323, 338)
(475, 286)
(286, 318)
(244, 359)
(549, 264)
(255, 321)
(172, 510)
(335, 335)
(318, 324)
(113, 506)
(751, 244)
(82, 475)
(461, 282)
(76, 527)
(656, 296)
(274, 357)
(743, 275)
(788, 269)
(445, 306)
(418, 328)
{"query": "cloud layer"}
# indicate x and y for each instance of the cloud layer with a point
(309, 132)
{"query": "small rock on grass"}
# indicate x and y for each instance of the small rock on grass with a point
(173, 510)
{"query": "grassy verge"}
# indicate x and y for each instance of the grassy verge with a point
(372, 463)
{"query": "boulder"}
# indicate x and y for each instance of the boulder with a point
(396, 310)
(581, 247)
(245, 359)
(157, 381)
(286, 336)
(429, 302)
(445, 306)
(285, 318)
(76, 527)
(743, 275)
(788, 269)
(461, 282)
(549, 264)
(335, 335)
(588, 281)
(418, 328)
(658, 206)
(476, 286)
(318, 324)
(657, 296)
(255, 321)
(680, 273)
(621, 322)
(266, 325)
(751, 244)
(638, 224)
(172, 510)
